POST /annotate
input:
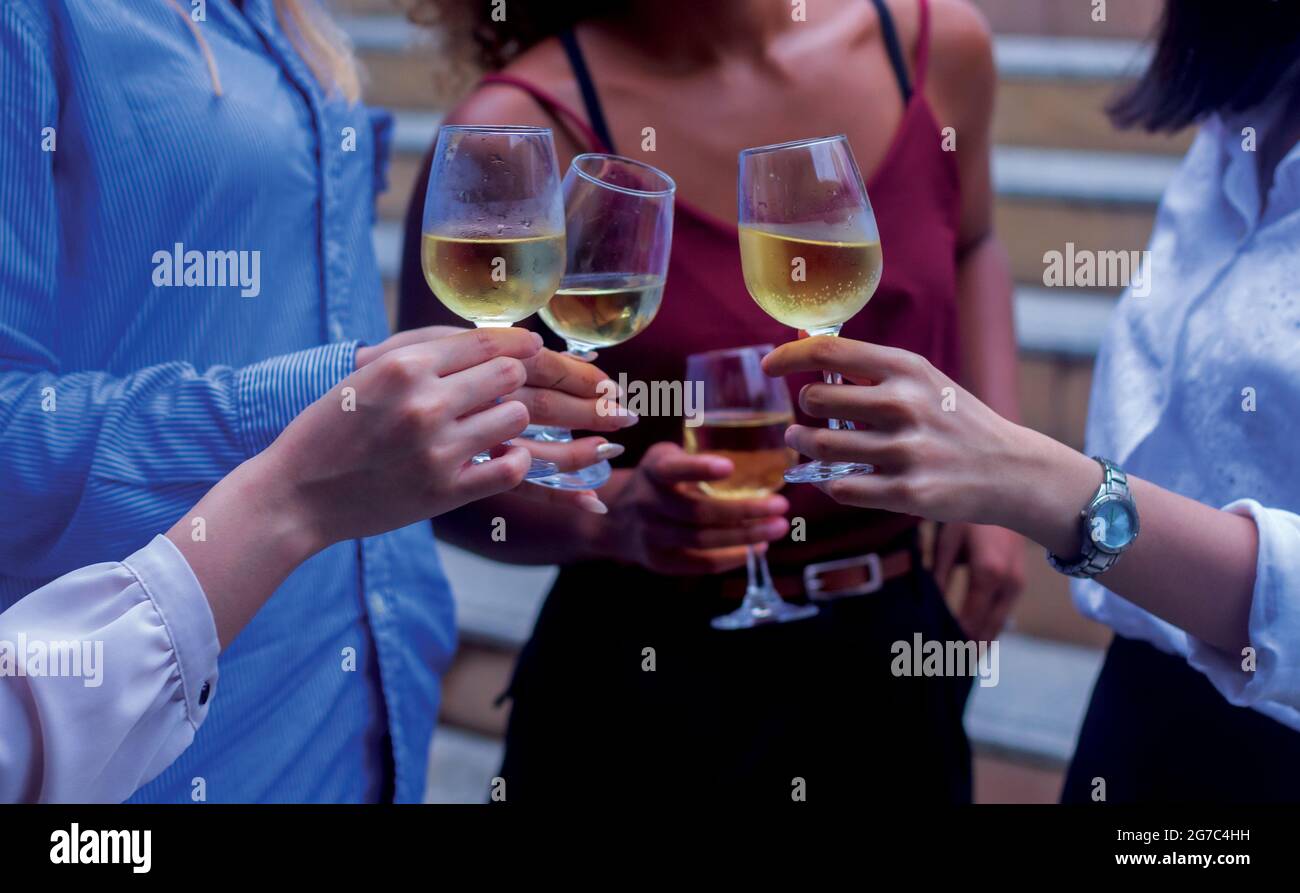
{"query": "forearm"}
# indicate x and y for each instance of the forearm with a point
(987, 325)
(88, 451)
(242, 540)
(1192, 565)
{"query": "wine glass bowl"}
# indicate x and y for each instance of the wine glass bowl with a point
(618, 223)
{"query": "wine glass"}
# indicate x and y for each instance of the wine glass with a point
(618, 216)
(492, 247)
(809, 248)
(745, 415)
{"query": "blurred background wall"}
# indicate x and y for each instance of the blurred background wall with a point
(1062, 175)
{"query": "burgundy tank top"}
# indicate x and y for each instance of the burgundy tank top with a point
(915, 195)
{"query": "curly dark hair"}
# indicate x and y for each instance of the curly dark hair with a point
(493, 44)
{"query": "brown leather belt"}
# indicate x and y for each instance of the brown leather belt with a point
(841, 578)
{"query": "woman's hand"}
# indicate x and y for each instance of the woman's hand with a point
(559, 391)
(660, 519)
(938, 451)
(399, 451)
(995, 558)
(388, 446)
(565, 392)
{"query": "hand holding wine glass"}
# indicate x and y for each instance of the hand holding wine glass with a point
(809, 248)
(661, 520)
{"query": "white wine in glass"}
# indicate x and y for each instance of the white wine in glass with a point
(493, 281)
(809, 248)
(838, 278)
(493, 236)
(745, 417)
(754, 441)
(602, 309)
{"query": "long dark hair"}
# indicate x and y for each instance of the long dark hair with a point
(1211, 57)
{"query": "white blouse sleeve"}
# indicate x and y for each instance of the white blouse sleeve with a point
(1272, 679)
(105, 675)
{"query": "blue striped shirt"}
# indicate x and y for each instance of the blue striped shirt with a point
(125, 392)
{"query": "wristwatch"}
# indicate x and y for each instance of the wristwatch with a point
(1108, 525)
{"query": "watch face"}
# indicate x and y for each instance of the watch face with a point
(1113, 525)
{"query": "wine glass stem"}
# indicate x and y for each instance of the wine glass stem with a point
(832, 378)
(760, 594)
(580, 352)
(554, 433)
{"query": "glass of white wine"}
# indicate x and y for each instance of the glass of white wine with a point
(493, 236)
(618, 216)
(745, 417)
(809, 248)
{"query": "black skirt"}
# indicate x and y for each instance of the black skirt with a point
(1158, 731)
(748, 715)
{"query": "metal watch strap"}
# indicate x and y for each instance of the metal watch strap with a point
(1094, 561)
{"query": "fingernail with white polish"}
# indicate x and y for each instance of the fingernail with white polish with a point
(593, 505)
(610, 450)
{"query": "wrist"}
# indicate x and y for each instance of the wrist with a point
(241, 541)
(1049, 486)
(275, 508)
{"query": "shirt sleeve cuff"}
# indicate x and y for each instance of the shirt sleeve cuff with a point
(1273, 676)
(272, 393)
(167, 579)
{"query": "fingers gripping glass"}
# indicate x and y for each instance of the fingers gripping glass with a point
(618, 234)
(745, 415)
(809, 249)
(493, 237)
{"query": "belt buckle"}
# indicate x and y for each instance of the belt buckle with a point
(813, 585)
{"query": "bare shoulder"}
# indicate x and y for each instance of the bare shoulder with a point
(544, 66)
(962, 76)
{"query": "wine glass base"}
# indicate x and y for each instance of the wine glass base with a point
(746, 616)
(815, 472)
(538, 468)
(590, 478)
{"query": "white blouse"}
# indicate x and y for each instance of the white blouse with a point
(1197, 389)
(105, 675)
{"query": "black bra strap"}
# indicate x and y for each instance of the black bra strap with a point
(896, 57)
(588, 86)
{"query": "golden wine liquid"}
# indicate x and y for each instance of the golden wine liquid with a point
(600, 311)
(834, 281)
(493, 281)
(754, 441)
